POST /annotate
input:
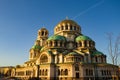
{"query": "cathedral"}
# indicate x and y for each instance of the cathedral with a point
(66, 55)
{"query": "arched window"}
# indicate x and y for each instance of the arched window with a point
(56, 43)
(76, 67)
(42, 33)
(46, 72)
(44, 58)
(102, 60)
(61, 27)
(62, 72)
(85, 43)
(43, 72)
(40, 72)
(66, 72)
(50, 43)
(74, 27)
(87, 72)
(66, 27)
(80, 44)
(96, 59)
(61, 44)
(70, 27)
(58, 71)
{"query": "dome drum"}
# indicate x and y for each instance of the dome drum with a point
(56, 44)
(43, 32)
(84, 41)
(56, 41)
(67, 25)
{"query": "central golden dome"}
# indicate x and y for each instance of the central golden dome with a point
(68, 22)
(67, 26)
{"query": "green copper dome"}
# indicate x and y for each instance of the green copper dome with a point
(36, 47)
(82, 38)
(56, 37)
(97, 53)
(73, 54)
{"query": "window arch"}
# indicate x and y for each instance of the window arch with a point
(58, 71)
(76, 67)
(74, 27)
(70, 27)
(43, 72)
(66, 27)
(62, 72)
(44, 58)
(96, 59)
(40, 72)
(61, 27)
(66, 71)
(85, 43)
(80, 44)
(46, 72)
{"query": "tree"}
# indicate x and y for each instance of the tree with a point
(113, 48)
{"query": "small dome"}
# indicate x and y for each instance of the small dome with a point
(82, 38)
(56, 38)
(36, 47)
(43, 28)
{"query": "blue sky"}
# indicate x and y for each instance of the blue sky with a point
(21, 19)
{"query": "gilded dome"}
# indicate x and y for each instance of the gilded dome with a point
(56, 38)
(68, 22)
(67, 25)
(82, 38)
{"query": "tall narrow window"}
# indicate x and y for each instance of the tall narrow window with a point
(62, 72)
(96, 59)
(66, 72)
(58, 71)
(87, 72)
(40, 72)
(66, 27)
(61, 27)
(85, 43)
(46, 72)
(74, 27)
(76, 67)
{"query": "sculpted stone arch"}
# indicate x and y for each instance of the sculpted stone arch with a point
(43, 58)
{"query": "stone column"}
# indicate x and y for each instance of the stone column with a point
(53, 43)
(82, 43)
(58, 43)
(68, 26)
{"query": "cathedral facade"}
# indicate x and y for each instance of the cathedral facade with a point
(66, 55)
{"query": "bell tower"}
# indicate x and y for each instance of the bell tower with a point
(42, 36)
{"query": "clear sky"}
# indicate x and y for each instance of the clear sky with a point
(21, 19)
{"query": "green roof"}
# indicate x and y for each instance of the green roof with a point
(73, 54)
(57, 37)
(36, 47)
(82, 38)
(97, 53)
